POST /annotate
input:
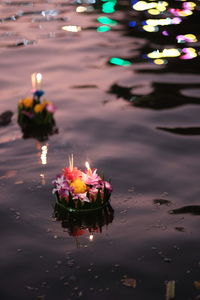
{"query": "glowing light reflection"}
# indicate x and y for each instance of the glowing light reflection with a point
(191, 38)
(165, 53)
(82, 9)
(180, 12)
(72, 28)
(160, 61)
(150, 28)
(91, 237)
(163, 22)
(103, 28)
(107, 21)
(109, 7)
(143, 5)
(43, 182)
(120, 62)
(189, 53)
(43, 156)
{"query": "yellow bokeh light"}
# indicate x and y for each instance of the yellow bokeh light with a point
(159, 61)
(150, 28)
(192, 37)
(43, 156)
(81, 9)
(156, 22)
(165, 53)
(185, 13)
(72, 28)
(142, 5)
(153, 11)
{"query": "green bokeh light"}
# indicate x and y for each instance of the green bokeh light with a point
(120, 62)
(109, 7)
(103, 28)
(106, 20)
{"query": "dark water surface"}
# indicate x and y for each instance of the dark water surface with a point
(135, 116)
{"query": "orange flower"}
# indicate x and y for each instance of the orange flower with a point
(38, 108)
(27, 102)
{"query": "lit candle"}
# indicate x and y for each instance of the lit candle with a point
(36, 79)
(88, 167)
(71, 162)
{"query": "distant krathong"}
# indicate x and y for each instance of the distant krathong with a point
(35, 116)
(81, 191)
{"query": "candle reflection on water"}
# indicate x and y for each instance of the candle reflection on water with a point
(42, 177)
(43, 156)
(170, 290)
(91, 237)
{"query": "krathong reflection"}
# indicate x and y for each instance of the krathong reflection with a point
(35, 116)
(88, 224)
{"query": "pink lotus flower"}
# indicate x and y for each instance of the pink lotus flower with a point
(91, 177)
(108, 186)
(50, 108)
(82, 197)
(61, 186)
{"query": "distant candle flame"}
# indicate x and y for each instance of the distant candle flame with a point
(36, 79)
(87, 165)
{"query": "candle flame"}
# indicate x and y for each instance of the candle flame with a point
(87, 165)
(36, 79)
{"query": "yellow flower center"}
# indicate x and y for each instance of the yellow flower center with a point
(79, 186)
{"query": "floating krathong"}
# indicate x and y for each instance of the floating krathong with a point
(35, 116)
(81, 191)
